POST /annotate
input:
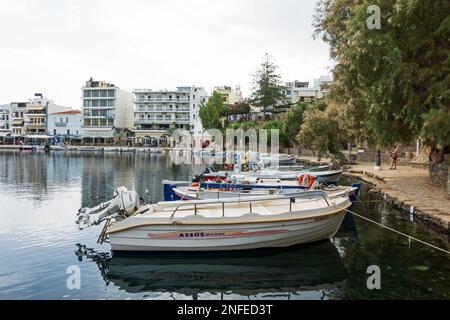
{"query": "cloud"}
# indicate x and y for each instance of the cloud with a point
(54, 46)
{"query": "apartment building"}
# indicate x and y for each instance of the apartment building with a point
(301, 91)
(65, 123)
(106, 109)
(156, 111)
(36, 113)
(17, 118)
(230, 96)
(5, 111)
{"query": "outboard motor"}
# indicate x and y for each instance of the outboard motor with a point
(124, 202)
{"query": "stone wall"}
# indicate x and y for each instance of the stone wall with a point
(439, 174)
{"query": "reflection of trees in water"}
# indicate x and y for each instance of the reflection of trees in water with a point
(408, 270)
(316, 268)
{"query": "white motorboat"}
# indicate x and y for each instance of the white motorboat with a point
(216, 225)
(198, 193)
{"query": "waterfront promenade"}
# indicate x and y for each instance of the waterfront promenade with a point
(407, 187)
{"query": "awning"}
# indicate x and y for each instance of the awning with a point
(35, 108)
(98, 133)
(4, 133)
(17, 122)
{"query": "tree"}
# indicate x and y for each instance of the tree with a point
(392, 84)
(293, 119)
(211, 112)
(275, 125)
(267, 88)
(321, 132)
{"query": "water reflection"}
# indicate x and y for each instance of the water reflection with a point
(42, 192)
(303, 268)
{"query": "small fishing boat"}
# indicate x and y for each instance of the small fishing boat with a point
(155, 150)
(328, 177)
(197, 193)
(58, 148)
(91, 149)
(215, 225)
(26, 148)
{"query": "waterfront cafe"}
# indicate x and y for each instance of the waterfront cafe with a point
(38, 139)
(98, 136)
(9, 138)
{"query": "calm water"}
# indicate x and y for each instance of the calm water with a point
(40, 195)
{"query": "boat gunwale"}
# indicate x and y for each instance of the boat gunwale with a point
(234, 220)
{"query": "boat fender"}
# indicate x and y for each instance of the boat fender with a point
(305, 180)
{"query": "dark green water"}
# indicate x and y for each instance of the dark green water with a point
(40, 194)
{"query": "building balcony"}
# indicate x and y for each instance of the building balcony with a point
(163, 110)
(35, 125)
(161, 100)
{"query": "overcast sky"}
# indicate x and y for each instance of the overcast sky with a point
(54, 46)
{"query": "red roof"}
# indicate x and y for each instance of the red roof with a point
(68, 112)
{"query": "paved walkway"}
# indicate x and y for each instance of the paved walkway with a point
(412, 187)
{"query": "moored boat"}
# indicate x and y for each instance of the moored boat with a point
(197, 193)
(216, 225)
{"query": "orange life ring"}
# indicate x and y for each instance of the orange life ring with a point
(194, 184)
(304, 176)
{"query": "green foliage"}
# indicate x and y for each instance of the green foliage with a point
(242, 125)
(321, 131)
(267, 88)
(392, 84)
(276, 125)
(211, 112)
(238, 108)
(293, 119)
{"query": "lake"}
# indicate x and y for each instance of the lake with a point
(39, 240)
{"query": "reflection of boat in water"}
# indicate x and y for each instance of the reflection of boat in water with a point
(314, 268)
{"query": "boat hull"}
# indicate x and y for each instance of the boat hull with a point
(227, 237)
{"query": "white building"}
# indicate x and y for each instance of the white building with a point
(5, 113)
(65, 123)
(36, 113)
(17, 118)
(301, 91)
(106, 108)
(156, 111)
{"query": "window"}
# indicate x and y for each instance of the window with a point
(67, 119)
(68, 132)
(103, 93)
(54, 132)
(87, 93)
(110, 103)
(95, 93)
(111, 93)
(193, 96)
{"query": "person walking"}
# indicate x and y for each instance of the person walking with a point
(394, 156)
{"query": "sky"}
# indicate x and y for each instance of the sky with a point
(54, 46)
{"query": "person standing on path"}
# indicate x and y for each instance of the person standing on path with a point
(378, 160)
(394, 156)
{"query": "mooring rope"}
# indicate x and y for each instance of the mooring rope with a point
(399, 232)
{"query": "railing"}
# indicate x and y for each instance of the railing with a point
(250, 200)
